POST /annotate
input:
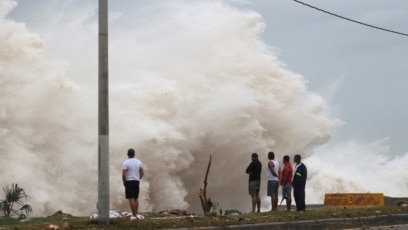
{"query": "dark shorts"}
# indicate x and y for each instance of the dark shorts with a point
(253, 187)
(132, 189)
(272, 189)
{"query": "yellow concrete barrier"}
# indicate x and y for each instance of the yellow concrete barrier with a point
(353, 200)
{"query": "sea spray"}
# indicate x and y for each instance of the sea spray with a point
(194, 80)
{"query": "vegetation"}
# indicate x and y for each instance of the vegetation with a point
(154, 221)
(394, 212)
(13, 204)
(206, 204)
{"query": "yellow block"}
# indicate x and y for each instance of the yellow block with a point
(353, 200)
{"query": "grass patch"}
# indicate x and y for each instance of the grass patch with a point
(152, 221)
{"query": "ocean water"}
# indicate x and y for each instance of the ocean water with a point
(187, 80)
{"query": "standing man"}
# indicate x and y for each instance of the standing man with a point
(132, 173)
(285, 181)
(273, 180)
(254, 170)
(299, 184)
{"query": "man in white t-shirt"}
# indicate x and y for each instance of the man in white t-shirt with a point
(273, 180)
(132, 173)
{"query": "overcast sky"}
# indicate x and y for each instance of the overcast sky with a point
(361, 72)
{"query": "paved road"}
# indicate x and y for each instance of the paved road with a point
(384, 222)
(388, 227)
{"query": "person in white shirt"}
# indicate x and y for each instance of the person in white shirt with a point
(132, 173)
(273, 180)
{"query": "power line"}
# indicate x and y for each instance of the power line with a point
(352, 20)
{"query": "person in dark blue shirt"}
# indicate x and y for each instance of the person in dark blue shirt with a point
(299, 184)
(254, 170)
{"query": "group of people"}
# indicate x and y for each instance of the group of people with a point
(286, 176)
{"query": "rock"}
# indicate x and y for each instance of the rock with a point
(114, 214)
(164, 213)
(174, 212)
(51, 227)
(60, 213)
(66, 225)
(178, 212)
(126, 214)
(402, 203)
(233, 212)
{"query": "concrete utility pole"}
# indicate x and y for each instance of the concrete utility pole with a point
(103, 118)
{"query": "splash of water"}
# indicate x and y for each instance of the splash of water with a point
(193, 80)
(351, 166)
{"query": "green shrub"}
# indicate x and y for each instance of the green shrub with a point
(13, 204)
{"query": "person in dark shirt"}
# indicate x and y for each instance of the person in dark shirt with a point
(254, 170)
(299, 184)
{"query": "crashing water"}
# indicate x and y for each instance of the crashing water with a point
(187, 80)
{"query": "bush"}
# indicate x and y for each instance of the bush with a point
(13, 204)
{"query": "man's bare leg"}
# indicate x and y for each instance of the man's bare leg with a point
(134, 205)
(258, 203)
(288, 204)
(253, 202)
(274, 203)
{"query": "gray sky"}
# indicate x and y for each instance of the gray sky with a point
(361, 71)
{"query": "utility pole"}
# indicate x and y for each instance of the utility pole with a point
(103, 118)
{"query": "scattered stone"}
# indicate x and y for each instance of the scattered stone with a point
(60, 213)
(233, 212)
(22, 216)
(173, 212)
(402, 203)
(126, 214)
(52, 227)
(66, 225)
(164, 213)
(178, 212)
(114, 214)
